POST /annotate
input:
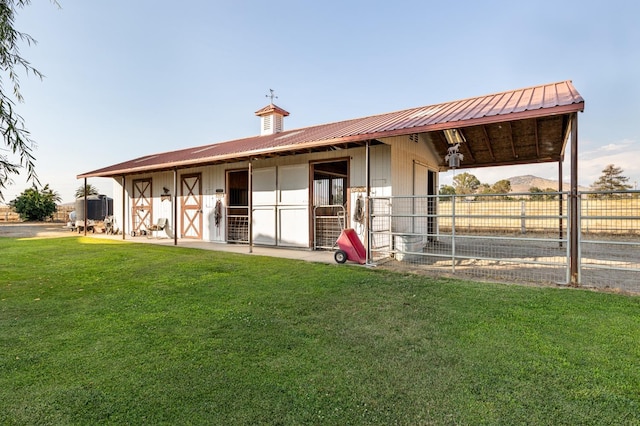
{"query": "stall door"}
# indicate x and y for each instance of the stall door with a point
(280, 206)
(293, 206)
(191, 206)
(141, 208)
(264, 206)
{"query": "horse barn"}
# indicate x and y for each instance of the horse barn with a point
(299, 188)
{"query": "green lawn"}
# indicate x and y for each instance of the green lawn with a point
(97, 332)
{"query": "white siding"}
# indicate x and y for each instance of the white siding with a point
(404, 152)
(281, 208)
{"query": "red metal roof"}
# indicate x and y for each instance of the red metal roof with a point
(538, 101)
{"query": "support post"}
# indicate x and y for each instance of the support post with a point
(85, 207)
(367, 225)
(124, 206)
(250, 209)
(573, 203)
(175, 207)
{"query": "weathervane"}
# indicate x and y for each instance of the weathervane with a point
(271, 95)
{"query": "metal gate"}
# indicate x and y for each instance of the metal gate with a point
(328, 223)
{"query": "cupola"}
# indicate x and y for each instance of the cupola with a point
(271, 118)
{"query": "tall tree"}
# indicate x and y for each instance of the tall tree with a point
(611, 179)
(19, 151)
(465, 183)
(88, 190)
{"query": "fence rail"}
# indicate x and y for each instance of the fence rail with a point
(518, 239)
(60, 215)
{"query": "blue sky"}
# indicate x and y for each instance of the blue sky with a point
(130, 78)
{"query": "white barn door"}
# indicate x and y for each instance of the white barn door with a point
(280, 200)
(293, 206)
(264, 202)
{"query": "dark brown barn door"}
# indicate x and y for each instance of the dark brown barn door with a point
(191, 206)
(141, 209)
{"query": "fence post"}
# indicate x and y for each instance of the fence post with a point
(523, 213)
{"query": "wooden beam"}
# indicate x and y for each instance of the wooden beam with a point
(535, 127)
(468, 145)
(487, 142)
(513, 146)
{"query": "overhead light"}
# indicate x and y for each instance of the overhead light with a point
(454, 136)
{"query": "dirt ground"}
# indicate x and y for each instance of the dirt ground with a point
(35, 230)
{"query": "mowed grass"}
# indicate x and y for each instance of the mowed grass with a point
(102, 332)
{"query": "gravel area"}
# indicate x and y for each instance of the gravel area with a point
(35, 230)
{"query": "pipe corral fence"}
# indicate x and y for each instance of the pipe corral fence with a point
(514, 238)
(60, 215)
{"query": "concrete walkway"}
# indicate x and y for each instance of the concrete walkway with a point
(321, 256)
(57, 230)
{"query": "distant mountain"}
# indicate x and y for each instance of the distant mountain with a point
(524, 183)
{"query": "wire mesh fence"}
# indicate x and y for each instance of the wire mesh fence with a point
(610, 239)
(519, 237)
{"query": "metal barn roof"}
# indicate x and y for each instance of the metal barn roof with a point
(515, 127)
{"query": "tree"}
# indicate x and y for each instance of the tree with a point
(16, 137)
(465, 183)
(611, 180)
(501, 187)
(550, 194)
(447, 190)
(88, 190)
(537, 194)
(484, 188)
(35, 204)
